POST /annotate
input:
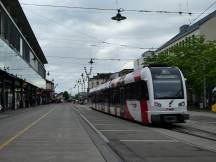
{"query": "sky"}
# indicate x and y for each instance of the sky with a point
(70, 37)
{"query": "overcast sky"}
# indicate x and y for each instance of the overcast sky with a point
(79, 33)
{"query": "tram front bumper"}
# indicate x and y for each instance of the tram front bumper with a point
(169, 118)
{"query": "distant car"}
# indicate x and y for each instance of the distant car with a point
(59, 100)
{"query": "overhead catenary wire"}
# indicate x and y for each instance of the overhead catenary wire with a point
(97, 40)
(210, 6)
(187, 4)
(109, 9)
(88, 58)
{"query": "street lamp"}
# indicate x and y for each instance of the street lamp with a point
(78, 85)
(83, 79)
(88, 76)
(118, 16)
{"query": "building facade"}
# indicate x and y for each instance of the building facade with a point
(139, 63)
(204, 27)
(120, 73)
(22, 72)
(100, 78)
(49, 95)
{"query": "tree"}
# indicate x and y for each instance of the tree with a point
(66, 95)
(196, 58)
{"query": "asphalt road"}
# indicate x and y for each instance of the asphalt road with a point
(50, 133)
(75, 133)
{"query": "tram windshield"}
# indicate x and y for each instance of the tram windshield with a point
(167, 83)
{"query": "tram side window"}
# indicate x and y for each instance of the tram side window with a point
(130, 92)
(115, 96)
(137, 90)
(106, 96)
(92, 97)
(97, 97)
(144, 90)
(111, 97)
(102, 96)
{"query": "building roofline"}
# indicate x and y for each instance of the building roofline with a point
(189, 30)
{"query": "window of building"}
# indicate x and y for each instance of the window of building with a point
(26, 51)
(0, 22)
(32, 59)
(41, 70)
(21, 46)
(9, 32)
(8, 29)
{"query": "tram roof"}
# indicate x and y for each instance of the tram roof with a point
(137, 75)
(126, 79)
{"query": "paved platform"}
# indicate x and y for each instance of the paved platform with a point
(137, 143)
(52, 133)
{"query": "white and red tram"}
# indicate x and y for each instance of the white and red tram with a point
(148, 95)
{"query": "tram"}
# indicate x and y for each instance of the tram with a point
(153, 94)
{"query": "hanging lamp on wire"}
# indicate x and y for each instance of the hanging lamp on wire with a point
(118, 16)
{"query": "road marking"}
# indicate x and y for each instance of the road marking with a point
(117, 130)
(95, 129)
(99, 120)
(149, 141)
(21, 132)
(104, 124)
(210, 122)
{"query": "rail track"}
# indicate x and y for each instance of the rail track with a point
(194, 132)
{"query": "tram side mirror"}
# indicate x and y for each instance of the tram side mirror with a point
(185, 79)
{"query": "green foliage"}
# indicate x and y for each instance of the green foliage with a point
(66, 95)
(196, 58)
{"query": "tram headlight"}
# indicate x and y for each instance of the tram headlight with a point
(181, 104)
(157, 104)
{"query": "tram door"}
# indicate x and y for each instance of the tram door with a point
(122, 100)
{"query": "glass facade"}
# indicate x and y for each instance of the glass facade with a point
(16, 56)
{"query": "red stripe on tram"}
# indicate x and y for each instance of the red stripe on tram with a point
(144, 111)
(137, 75)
